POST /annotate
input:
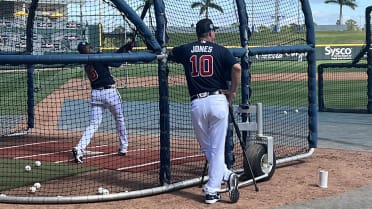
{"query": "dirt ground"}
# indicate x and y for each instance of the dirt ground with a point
(292, 183)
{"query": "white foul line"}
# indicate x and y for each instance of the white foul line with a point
(156, 162)
(49, 153)
(97, 156)
(30, 156)
(25, 145)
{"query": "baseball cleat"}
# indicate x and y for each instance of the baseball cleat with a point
(122, 152)
(78, 158)
(212, 198)
(232, 185)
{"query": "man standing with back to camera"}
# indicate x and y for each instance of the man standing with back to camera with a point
(104, 95)
(208, 68)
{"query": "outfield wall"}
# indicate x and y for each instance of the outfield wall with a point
(337, 51)
(323, 52)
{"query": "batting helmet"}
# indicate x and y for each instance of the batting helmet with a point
(82, 46)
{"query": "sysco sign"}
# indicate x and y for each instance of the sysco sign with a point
(338, 52)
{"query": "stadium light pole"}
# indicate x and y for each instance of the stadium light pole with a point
(276, 17)
(99, 12)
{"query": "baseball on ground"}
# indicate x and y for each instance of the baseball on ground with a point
(37, 163)
(100, 190)
(27, 168)
(37, 185)
(32, 189)
(105, 191)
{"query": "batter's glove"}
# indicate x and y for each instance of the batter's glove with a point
(126, 48)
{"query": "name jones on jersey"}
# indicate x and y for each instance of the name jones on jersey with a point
(198, 48)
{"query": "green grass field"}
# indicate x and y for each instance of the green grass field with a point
(14, 174)
(335, 96)
(321, 37)
(340, 37)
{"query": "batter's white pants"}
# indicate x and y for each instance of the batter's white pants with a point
(102, 99)
(210, 120)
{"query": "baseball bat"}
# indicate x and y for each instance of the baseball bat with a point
(134, 35)
(145, 8)
(238, 133)
(204, 173)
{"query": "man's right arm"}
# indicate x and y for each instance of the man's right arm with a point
(171, 55)
(174, 54)
(235, 81)
(124, 49)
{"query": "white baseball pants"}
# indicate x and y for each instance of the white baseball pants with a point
(102, 99)
(209, 117)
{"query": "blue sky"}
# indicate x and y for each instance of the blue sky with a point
(327, 14)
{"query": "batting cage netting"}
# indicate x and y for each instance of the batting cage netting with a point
(347, 87)
(45, 93)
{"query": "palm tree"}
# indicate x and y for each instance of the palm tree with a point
(205, 5)
(350, 3)
(351, 25)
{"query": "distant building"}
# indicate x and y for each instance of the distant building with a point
(18, 9)
(52, 30)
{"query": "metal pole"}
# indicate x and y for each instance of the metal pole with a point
(276, 16)
(253, 28)
(298, 17)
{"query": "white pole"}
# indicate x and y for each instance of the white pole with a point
(127, 75)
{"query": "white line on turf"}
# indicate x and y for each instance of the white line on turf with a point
(156, 162)
(25, 145)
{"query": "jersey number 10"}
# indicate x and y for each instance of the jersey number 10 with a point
(203, 66)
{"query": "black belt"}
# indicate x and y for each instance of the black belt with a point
(205, 94)
(104, 87)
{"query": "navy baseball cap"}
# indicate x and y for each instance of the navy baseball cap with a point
(204, 26)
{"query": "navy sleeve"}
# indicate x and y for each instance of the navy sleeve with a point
(176, 54)
(230, 59)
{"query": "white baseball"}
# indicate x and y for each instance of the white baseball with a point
(37, 163)
(105, 191)
(27, 168)
(32, 189)
(296, 110)
(100, 190)
(285, 112)
(37, 185)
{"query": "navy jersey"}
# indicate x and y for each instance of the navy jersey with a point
(99, 74)
(207, 65)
